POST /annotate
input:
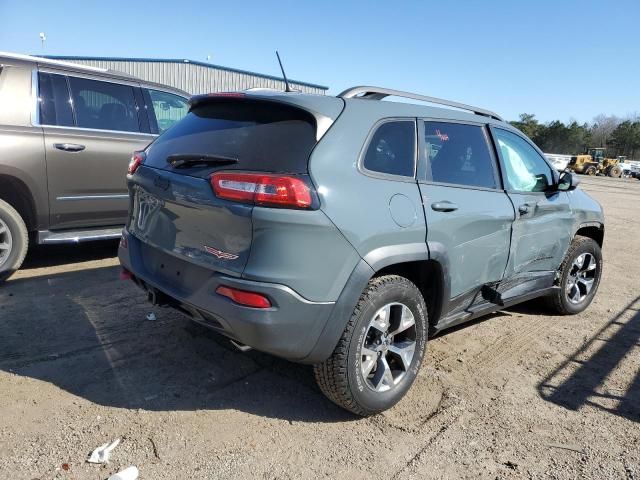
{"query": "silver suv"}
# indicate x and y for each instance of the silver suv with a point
(66, 135)
(343, 231)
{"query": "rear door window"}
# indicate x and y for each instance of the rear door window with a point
(54, 100)
(391, 149)
(458, 154)
(168, 109)
(261, 136)
(104, 105)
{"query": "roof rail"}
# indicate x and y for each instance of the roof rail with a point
(49, 61)
(377, 93)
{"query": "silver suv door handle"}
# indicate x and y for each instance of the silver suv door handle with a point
(69, 147)
(444, 206)
(527, 208)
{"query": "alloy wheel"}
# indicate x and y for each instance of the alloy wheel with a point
(388, 347)
(581, 278)
(6, 242)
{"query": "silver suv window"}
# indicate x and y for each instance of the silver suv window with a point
(458, 154)
(391, 149)
(53, 100)
(104, 105)
(168, 108)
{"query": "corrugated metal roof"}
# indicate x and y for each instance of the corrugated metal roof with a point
(181, 61)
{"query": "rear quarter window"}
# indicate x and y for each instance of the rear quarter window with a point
(262, 136)
(391, 149)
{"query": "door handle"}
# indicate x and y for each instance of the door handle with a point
(444, 206)
(526, 208)
(69, 147)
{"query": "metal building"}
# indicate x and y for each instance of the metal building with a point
(191, 76)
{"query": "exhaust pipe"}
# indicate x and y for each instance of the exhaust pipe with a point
(240, 346)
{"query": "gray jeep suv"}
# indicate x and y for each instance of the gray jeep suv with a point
(66, 135)
(344, 231)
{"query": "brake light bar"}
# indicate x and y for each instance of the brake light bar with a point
(263, 189)
(242, 297)
(137, 159)
(227, 94)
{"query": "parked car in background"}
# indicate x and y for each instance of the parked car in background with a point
(341, 231)
(626, 169)
(66, 136)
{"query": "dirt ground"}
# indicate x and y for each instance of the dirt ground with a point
(520, 394)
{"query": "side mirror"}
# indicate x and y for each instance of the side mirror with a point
(568, 181)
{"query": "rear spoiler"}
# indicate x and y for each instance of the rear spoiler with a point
(324, 109)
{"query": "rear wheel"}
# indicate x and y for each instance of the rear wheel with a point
(379, 354)
(578, 277)
(591, 171)
(14, 240)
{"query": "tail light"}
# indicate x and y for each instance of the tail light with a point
(263, 189)
(242, 297)
(137, 159)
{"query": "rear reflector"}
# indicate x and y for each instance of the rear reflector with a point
(136, 160)
(263, 189)
(125, 274)
(242, 297)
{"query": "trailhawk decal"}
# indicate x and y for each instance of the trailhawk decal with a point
(220, 253)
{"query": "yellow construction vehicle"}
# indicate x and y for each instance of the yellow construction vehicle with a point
(594, 162)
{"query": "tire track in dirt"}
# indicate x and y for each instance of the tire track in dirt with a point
(511, 346)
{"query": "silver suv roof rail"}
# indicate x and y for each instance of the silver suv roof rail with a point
(377, 93)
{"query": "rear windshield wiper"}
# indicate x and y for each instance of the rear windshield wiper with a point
(180, 160)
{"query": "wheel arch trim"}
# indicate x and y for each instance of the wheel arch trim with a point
(366, 269)
(589, 227)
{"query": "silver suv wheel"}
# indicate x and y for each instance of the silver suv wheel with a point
(6, 242)
(581, 277)
(388, 346)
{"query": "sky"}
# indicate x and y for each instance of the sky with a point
(562, 59)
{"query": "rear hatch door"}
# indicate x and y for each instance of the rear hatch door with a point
(174, 207)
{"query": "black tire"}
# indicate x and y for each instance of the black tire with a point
(591, 171)
(341, 378)
(13, 231)
(560, 301)
(614, 171)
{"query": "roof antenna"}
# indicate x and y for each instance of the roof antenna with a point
(284, 75)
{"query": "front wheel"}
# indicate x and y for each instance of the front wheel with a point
(14, 240)
(381, 349)
(615, 171)
(578, 277)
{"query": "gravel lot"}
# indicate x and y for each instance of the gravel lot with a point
(519, 394)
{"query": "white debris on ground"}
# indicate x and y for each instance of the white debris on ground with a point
(130, 473)
(101, 454)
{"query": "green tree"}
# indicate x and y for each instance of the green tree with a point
(625, 139)
(527, 125)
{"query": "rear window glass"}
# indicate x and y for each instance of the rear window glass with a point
(458, 154)
(104, 105)
(262, 136)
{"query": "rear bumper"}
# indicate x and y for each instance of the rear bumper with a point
(290, 329)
